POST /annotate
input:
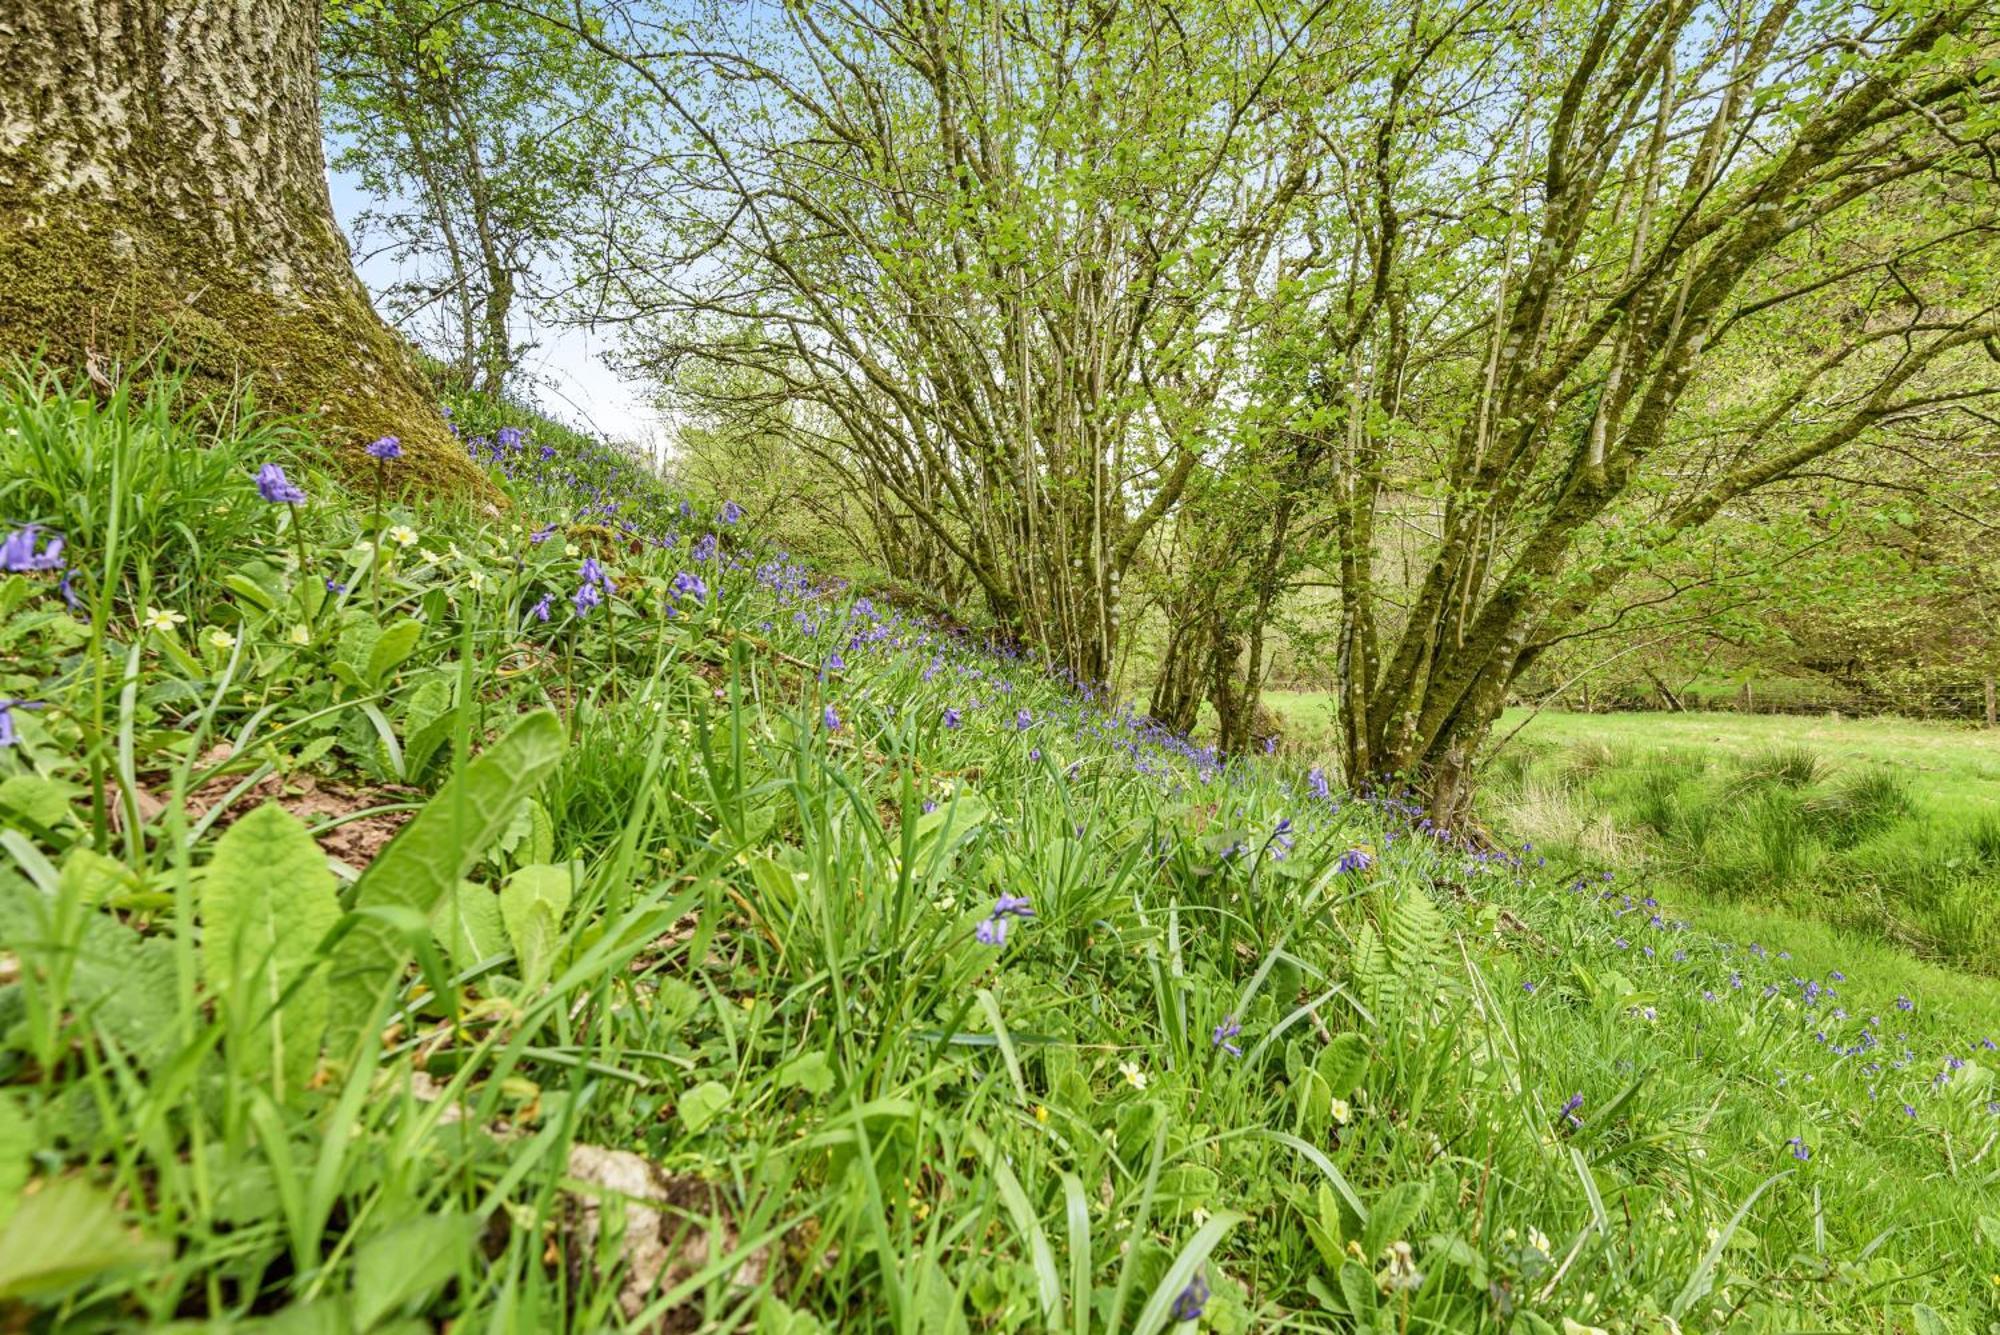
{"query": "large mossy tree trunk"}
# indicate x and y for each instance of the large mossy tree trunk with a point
(162, 185)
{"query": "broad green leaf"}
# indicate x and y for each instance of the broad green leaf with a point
(1343, 1062)
(532, 904)
(812, 1072)
(43, 801)
(1392, 1214)
(467, 923)
(63, 1233)
(391, 647)
(703, 1104)
(430, 856)
(17, 1143)
(408, 1263)
(267, 901)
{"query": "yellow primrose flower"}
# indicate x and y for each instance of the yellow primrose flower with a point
(221, 639)
(300, 635)
(571, 549)
(1133, 1075)
(1538, 1240)
(477, 578)
(1041, 1112)
(1342, 1114)
(159, 619)
(403, 535)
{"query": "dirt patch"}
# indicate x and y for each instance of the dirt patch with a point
(673, 1228)
(356, 840)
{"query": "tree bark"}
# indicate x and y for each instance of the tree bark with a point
(162, 185)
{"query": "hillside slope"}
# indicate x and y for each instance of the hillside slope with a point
(588, 918)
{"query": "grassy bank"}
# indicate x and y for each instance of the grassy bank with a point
(587, 918)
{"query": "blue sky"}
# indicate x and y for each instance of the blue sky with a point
(572, 379)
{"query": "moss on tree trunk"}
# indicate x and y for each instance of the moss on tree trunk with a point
(162, 185)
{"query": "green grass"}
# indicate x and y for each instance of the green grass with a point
(680, 1001)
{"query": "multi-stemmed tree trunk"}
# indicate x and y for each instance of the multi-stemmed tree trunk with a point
(162, 185)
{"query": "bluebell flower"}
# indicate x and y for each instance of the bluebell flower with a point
(688, 585)
(275, 487)
(385, 449)
(731, 512)
(1316, 780)
(18, 552)
(831, 719)
(1571, 1108)
(952, 719)
(1023, 720)
(540, 610)
(8, 737)
(1191, 1301)
(585, 598)
(1219, 1037)
(1354, 859)
(541, 535)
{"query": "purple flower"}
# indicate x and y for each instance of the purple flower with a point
(1023, 720)
(1219, 1037)
(1191, 1301)
(585, 598)
(1316, 780)
(385, 449)
(541, 535)
(1905, 1004)
(275, 487)
(1035, 754)
(991, 932)
(334, 586)
(1571, 1108)
(8, 737)
(1013, 906)
(952, 719)
(690, 586)
(1799, 1150)
(540, 610)
(731, 512)
(704, 550)
(1355, 859)
(18, 552)
(831, 719)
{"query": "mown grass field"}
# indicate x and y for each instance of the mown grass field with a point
(588, 919)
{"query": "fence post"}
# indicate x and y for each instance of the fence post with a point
(1992, 705)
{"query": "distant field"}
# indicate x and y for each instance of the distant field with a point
(1884, 830)
(1950, 764)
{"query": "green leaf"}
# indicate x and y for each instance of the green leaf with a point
(430, 856)
(267, 901)
(467, 924)
(391, 647)
(703, 1104)
(407, 1263)
(1392, 1214)
(812, 1072)
(63, 1234)
(1343, 1062)
(532, 904)
(43, 801)
(17, 1143)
